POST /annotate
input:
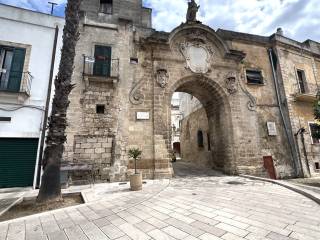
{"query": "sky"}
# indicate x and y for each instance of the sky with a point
(300, 19)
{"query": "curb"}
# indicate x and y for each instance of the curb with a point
(17, 201)
(309, 194)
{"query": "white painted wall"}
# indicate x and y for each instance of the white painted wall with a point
(38, 30)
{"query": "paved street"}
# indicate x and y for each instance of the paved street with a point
(194, 206)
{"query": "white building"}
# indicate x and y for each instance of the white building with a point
(176, 117)
(28, 42)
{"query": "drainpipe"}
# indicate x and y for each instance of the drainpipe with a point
(296, 161)
(301, 131)
(153, 117)
(36, 180)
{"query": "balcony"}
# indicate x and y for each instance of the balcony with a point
(15, 87)
(307, 93)
(100, 70)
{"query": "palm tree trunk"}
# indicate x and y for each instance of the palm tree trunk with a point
(50, 189)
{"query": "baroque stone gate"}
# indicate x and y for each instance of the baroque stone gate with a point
(126, 73)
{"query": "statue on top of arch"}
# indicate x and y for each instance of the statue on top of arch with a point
(192, 11)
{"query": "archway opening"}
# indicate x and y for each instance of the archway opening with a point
(204, 127)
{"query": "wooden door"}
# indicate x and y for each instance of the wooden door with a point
(268, 165)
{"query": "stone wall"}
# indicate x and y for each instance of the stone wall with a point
(190, 151)
(301, 110)
(237, 112)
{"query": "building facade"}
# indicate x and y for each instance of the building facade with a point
(26, 60)
(256, 92)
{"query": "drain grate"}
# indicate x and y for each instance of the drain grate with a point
(235, 183)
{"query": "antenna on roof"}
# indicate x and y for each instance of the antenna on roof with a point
(52, 6)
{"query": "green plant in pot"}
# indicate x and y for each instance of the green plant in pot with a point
(136, 178)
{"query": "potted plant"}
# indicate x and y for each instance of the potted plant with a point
(136, 178)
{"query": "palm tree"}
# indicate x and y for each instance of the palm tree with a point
(50, 189)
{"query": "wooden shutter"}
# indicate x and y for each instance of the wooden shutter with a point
(102, 65)
(16, 70)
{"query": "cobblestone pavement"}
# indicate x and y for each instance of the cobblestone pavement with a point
(190, 207)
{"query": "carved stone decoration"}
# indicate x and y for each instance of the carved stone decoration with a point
(136, 97)
(252, 103)
(193, 9)
(231, 83)
(162, 77)
(197, 55)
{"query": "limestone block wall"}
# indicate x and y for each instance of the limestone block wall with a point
(301, 112)
(190, 151)
(85, 125)
(267, 110)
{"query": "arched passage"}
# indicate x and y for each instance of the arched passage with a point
(217, 107)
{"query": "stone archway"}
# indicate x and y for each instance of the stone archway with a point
(217, 107)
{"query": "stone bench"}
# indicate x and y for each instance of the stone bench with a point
(67, 168)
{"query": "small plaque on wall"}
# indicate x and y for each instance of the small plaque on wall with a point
(272, 129)
(143, 115)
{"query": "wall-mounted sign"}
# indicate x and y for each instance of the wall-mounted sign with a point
(272, 129)
(143, 115)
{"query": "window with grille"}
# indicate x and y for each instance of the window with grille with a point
(254, 77)
(315, 134)
(106, 6)
(302, 81)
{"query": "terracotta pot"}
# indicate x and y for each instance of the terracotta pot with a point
(136, 182)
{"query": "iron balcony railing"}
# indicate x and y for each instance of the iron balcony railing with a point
(306, 88)
(16, 82)
(306, 93)
(100, 67)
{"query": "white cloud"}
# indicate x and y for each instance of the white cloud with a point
(300, 19)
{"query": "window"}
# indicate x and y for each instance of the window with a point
(315, 133)
(200, 139)
(11, 68)
(134, 60)
(317, 165)
(209, 142)
(102, 61)
(106, 6)
(5, 119)
(254, 77)
(100, 109)
(302, 83)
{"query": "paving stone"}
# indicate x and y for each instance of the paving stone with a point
(208, 236)
(58, 235)
(230, 236)
(3, 231)
(156, 222)
(159, 235)
(101, 222)
(175, 232)
(216, 211)
(34, 230)
(16, 231)
(93, 232)
(144, 226)
(208, 228)
(232, 222)
(228, 228)
(75, 233)
(184, 227)
(276, 236)
(133, 232)
(112, 231)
